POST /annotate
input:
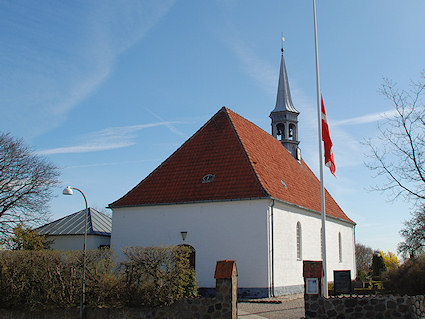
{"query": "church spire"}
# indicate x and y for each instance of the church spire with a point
(284, 100)
(284, 116)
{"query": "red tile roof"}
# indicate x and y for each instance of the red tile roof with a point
(247, 163)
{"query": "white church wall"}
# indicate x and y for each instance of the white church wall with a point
(235, 230)
(348, 260)
(76, 242)
(287, 268)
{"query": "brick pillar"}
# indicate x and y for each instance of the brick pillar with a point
(226, 290)
(313, 275)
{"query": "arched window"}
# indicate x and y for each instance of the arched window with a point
(299, 241)
(292, 132)
(339, 248)
(281, 131)
(192, 255)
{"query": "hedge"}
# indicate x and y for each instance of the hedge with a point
(45, 279)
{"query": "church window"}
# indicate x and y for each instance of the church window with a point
(299, 241)
(208, 178)
(339, 248)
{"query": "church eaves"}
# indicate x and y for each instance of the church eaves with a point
(247, 163)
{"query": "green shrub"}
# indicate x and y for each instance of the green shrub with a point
(363, 275)
(104, 283)
(409, 278)
(158, 276)
(39, 279)
(52, 279)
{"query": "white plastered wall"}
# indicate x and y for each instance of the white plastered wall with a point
(76, 242)
(235, 230)
(287, 268)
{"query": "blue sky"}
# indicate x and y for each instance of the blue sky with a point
(107, 90)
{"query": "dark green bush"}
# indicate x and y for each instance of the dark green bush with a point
(52, 279)
(363, 275)
(378, 266)
(409, 278)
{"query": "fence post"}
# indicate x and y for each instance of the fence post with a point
(226, 290)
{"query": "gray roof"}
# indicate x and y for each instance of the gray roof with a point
(97, 224)
(284, 100)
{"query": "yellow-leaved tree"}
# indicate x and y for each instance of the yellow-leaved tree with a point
(390, 259)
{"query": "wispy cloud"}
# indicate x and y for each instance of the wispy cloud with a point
(368, 118)
(106, 139)
(260, 70)
(108, 164)
(253, 65)
(169, 125)
(52, 60)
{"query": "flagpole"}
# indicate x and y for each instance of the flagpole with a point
(322, 188)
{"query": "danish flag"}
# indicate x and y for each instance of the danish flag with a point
(327, 142)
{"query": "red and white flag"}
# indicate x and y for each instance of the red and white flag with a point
(326, 138)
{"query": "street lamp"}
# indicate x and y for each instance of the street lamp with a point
(68, 191)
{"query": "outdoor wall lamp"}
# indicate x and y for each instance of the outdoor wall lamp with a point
(184, 234)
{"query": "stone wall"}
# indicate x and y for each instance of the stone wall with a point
(417, 307)
(185, 309)
(223, 305)
(376, 306)
(388, 306)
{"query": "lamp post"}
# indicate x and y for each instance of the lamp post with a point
(68, 191)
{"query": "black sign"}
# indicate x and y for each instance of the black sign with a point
(342, 282)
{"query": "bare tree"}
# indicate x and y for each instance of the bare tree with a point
(413, 234)
(26, 180)
(398, 155)
(364, 256)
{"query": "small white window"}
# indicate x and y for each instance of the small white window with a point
(339, 248)
(299, 241)
(208, 178)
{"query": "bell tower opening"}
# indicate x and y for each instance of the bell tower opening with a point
(281, 131)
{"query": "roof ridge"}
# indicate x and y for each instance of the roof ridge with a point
(228, 111)
(73, 224)
(58, 220)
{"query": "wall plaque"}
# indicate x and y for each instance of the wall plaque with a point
(342, 282)
(312, 286)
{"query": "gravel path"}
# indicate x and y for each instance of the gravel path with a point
(288, 307)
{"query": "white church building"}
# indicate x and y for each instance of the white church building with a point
(233, 191)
